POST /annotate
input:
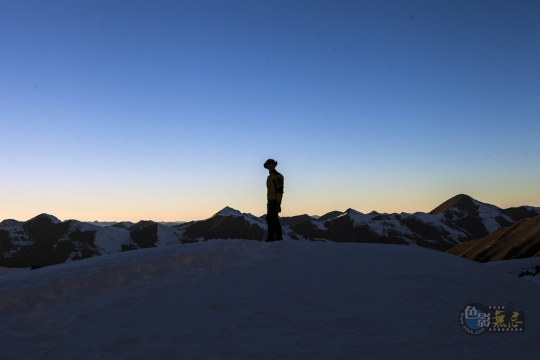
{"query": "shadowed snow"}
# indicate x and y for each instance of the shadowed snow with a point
(250, 300)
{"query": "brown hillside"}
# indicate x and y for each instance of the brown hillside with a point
(522, 240)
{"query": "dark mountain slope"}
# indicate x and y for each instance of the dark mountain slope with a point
(522, 240)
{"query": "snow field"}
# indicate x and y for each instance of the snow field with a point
(237, 299)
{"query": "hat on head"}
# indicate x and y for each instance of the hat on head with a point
(270, 162)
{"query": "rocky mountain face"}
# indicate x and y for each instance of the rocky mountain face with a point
(45, 240)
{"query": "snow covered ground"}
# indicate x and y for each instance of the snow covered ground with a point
(517, 266)
(238, 299)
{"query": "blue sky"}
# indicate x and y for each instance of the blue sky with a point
(166, 110)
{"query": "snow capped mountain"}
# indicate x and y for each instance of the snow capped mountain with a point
(150, 234)
(110, 240)
(459, 219)
(45, 240)
(12, 239)
(475, 218)
(226, 224)
(242, 299)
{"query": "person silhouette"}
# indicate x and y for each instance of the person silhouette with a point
(274, 186)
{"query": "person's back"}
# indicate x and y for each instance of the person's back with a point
(274, 183)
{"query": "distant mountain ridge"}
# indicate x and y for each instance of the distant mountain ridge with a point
(458, 219)
(45, 240)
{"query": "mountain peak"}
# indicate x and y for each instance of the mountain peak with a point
(228, 211)
(48, 217)
(123, 225)
(461, 201)
(10, 222)
(330, 215)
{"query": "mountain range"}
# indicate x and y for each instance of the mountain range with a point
(460, 221)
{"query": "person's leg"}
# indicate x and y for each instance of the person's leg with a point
(271, 228)
(272, 220)
(277, 227)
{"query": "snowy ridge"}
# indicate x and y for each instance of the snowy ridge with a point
(110, 240)
(107, 240)
(14, 231)
(167, 236)
(379, 224)
(489, 213)
(252, 219)
(437, 222)
(358, 218)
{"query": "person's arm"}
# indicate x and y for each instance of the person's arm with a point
(279, 195)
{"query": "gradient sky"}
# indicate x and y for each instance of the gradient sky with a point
(166, 110)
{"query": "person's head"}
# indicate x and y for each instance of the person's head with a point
(270, 164)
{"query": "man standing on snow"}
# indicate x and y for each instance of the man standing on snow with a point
(274, 185)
